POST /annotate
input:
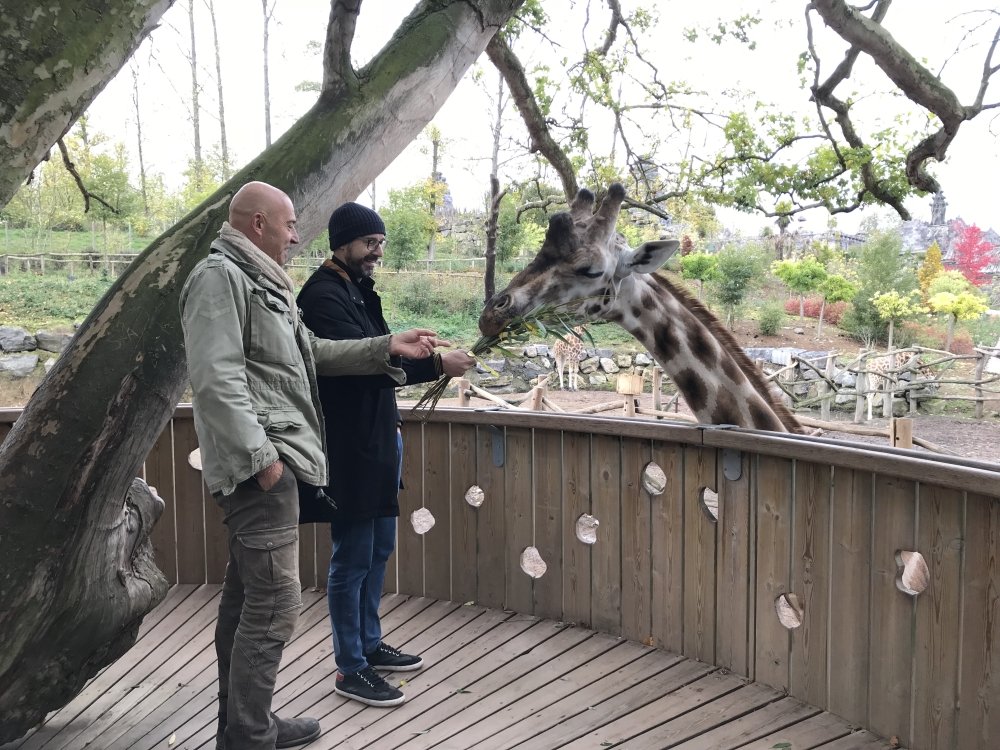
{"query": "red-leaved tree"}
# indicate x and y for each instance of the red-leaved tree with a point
(973, 253)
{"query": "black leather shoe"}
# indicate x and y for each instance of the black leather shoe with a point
(295, 732)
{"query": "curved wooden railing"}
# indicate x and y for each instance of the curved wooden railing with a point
(807, 533)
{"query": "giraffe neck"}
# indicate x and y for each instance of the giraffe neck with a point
(718, 381)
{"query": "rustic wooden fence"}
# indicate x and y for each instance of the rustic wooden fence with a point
(800, 577)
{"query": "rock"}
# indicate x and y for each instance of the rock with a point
(499, 365)
(608, 365)
(799, 331)
(533, 368)
(546, 363)
(49, 364)
(597, 379)
(589, 365)
(530, 351)
(16, 340)
(20, 366)
(52, 341)
(623, 360)
(600, 353)
(643, 359)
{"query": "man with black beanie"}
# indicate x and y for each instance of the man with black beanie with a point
(365, 449)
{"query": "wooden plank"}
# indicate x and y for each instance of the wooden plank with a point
(190, 508)
(940, 537)
(636, 544)
(549, 522)
(519, 517)
(491, 527)
(463, 516)
(890, 678)
(606, 571)
(773, 546)
(810, 581)
(409, 545)
(752, 726)
(810, 733)
(576, 502)
(437, 499)
(667, 541)
(732, 641)
(850, 594)
(979, 683)
(860, 740)
(159, 473)
(700, 542)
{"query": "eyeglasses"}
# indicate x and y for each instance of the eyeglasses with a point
(371, 243)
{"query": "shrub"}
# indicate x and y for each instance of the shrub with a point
(912, 333)
(832, 314)
(770, 316)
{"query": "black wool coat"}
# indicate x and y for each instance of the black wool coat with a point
(360, 410)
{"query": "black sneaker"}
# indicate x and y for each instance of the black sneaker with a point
(368, 687)
(390, 659)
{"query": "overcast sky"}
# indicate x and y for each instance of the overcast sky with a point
(970, 177)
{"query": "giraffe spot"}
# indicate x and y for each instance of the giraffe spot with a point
(614, 316)
(636, 312)
(593, 308)
(654, 479)
(666, 340)
(474, 496)
(789, 611)
(732, 370)
(762, 418)
(532, 562)
(693, 388)
(912, 576)
(726, 411)
(701, 347)
(648, 300)
(586, 528)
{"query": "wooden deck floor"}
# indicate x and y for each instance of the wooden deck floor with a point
(493, 680)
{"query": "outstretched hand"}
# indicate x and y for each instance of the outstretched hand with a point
(456, 363)
(417, 343)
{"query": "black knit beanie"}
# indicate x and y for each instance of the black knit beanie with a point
(351, 221)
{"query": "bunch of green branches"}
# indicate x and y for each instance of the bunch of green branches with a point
(537, 323)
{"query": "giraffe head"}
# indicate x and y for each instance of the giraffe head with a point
(582, 259)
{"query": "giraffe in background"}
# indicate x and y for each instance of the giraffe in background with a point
(566, 352)
(586, 267)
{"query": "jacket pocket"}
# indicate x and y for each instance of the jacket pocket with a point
(279, 420)
(272, 331)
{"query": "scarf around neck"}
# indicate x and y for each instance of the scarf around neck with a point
(253, 255)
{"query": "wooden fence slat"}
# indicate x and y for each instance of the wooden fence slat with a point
(437, 499)
(939, 540)
(809, 581)
(190, 513)
(410, 545)
(606, 573)
(491, 528)
(549, 523)
(159, 470)
(667, 554)
(519, 512)
(890, 679)
(577, 556)
(635, 536)
(734, 572)
(700, 542)
(979, 684)
(773, 553)
(850, 593)
(463, 516)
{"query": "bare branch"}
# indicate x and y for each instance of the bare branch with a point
(338, 72)
(87, 195)
(543, 204)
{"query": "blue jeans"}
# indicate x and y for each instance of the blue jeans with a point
(260, 603)
(354, 588)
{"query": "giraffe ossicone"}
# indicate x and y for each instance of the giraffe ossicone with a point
(586, 267)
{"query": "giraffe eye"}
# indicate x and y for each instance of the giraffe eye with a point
(589, 273)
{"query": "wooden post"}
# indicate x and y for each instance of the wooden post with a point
(826, 389)
(860, 385)
(629, 406)
(901, 432)
(657, 387)
(980, 370)
(537, 394)
(463, 392)
(891, 378)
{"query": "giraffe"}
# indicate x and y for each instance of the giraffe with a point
(566, 352)
(586, 267)
(885, 371)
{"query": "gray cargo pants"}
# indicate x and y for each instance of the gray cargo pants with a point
(260, 604)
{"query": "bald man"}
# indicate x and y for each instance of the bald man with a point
(253, 367)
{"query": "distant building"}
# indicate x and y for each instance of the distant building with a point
(918, 235)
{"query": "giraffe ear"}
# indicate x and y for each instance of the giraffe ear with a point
(646, 258)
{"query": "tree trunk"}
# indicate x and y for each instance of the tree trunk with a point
(951, 332)
(199, 171)
(49, 83)
(892, 328)
(490, 274)
(138, 140)
(267, 76)
(802, 307)
(75, 570)
(822, 310)
(223, 143)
